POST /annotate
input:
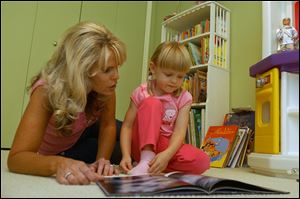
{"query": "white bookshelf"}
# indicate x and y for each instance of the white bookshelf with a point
(218, 75)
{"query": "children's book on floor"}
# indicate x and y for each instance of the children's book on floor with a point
(244, 117)
(218, 143)
(177, 183)
(241, 117)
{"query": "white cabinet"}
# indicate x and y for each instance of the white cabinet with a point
(208, 26)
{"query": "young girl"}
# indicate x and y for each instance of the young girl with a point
(68, 98)
(156, 121)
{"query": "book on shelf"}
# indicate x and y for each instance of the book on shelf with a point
(221, 25)
(196, 84)
(218, 143)
(197, 29)
(220, 52)
(198, 130)
(196, 87)
(204, 46)
(192, 132)
(177, 183)
(203, 127)
(196, 127)
(205, 25)
(200, 53)
(202, 95)
(195, 54)
(195, 118)
(187, 139)
(186, 83)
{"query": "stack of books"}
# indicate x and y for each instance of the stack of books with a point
(229, 144)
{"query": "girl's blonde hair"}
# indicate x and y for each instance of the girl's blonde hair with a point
(170, 55)
(67, 74)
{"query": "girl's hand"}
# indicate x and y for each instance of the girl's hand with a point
(159, 163)
(104, 168)
(125, 164)
(75, 172)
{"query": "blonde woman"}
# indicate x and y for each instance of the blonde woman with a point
(155, 124)
(69, 121)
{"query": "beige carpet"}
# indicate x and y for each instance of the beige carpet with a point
(27, 186)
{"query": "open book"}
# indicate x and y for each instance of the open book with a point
(176, 183)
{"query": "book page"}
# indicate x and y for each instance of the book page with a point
(205, 182)
(215, 185)
(176, 183)
(139, 184)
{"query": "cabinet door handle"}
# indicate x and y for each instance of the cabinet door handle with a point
(55, 43)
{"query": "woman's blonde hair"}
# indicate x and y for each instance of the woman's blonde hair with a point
(67, 74)
(170, 55)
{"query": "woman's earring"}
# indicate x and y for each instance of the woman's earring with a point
(150, 77)
(93, 74)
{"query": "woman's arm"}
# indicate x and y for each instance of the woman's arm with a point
(23, 156)
(107, 130)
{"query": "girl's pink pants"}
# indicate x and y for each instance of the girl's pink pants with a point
(146, 131)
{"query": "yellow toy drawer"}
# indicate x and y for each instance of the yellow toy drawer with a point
(267, 125)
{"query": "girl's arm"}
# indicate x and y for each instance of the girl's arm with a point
(23, 156)
(179, 133)
(161, 160)
(125, 137)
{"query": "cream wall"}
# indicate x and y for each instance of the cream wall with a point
(29, 31)
(246, 49)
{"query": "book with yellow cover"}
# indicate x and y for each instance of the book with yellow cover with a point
(218, 143)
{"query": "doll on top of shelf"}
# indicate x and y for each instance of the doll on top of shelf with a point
(287, 36)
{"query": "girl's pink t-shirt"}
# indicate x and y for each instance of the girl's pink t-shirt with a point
(171, 106)
(52, 142)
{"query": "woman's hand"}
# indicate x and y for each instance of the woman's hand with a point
(104, 168)
(75, 172)
(125, 164)
(159, 163)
